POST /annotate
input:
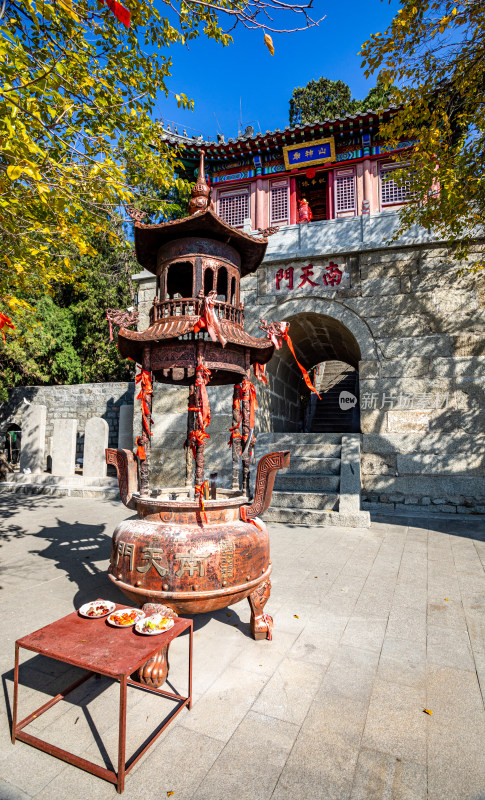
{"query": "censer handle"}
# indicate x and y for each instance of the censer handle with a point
(126, 469)
(263, 490)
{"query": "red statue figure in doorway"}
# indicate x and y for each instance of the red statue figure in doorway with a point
(304, 211)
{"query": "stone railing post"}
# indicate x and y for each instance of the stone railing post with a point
(96, 436)
(350, 485)
(64, 447)
(32, 454)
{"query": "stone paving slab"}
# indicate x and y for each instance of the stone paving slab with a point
(372, 626)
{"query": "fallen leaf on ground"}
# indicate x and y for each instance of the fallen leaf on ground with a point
(447, 599)
(296, 616)
(428, 711)
(169, 794)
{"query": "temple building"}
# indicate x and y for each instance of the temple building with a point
(259, 180)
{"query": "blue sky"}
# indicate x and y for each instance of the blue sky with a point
(217, 78)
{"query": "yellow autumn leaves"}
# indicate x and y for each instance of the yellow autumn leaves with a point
(269, 43)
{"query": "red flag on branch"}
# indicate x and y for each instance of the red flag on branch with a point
(121, 13)
(4, 320)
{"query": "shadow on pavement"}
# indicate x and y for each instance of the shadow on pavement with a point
(469, 527)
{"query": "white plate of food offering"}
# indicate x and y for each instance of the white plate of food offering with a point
(152, 626)
(125, 617)
(97, 609)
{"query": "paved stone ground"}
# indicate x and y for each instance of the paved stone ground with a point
(371, 627)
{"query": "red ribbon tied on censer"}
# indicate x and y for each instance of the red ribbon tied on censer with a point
(260, 372)
(277, 333)
(202, 410)
(200, 491)
(146, 389)
(140, 450)
(249, 395)
(210, 320)
(235, 432)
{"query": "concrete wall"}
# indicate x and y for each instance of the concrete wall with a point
(70, 402)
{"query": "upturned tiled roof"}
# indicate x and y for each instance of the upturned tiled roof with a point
(249, 141)
(149, 238)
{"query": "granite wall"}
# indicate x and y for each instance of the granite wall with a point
(418, 321)
(70, 402)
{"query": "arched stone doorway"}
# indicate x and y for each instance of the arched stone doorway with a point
(329, 342)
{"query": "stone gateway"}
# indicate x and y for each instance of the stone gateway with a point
(398, 354)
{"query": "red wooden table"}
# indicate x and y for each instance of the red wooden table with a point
(96, 646)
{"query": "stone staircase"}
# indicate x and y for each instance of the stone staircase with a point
(320, 488)
(328, 417)
(322, 485)
(58, 486)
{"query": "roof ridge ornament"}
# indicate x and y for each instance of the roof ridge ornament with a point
(200, 194)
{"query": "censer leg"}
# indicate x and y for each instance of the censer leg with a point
(261, 623)
(154, 671)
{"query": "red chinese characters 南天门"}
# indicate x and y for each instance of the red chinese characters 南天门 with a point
(332, 276)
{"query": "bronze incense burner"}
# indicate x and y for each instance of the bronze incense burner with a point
(195, 549)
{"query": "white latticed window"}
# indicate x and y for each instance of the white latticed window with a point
(391, 193)
(234, 208)
(279, 202)
(345, 192)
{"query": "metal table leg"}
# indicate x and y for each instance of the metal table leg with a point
(122, 736)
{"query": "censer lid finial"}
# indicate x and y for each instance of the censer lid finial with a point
(199, 200)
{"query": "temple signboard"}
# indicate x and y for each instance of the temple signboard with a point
(311, 278)
(309, 154)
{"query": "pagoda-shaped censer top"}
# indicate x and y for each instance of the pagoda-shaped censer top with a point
(199, 262)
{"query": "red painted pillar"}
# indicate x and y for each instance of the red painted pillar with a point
(330, 206)
(293, 214)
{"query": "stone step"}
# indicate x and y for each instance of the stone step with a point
(289, 482)
(280, 441)
(300, 450)
(333, 426)
(315, 465)
(45, 478)
(320, 519)
(59, 490)
(313, 500)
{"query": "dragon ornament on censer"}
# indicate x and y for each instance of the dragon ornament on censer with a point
(196, 548)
